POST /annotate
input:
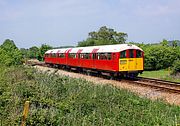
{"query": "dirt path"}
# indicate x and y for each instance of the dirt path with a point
(153, 94)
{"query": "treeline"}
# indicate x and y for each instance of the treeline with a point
(35, 52)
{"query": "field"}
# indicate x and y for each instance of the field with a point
(161, 74)
(60, 100)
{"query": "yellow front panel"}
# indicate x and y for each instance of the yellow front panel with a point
(130, 64)
(123, 64)
(139, 64)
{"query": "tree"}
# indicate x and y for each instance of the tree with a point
(164, 42)
(174, 43)
(33, 52)
(10, 54)
(42, 51)
(104, 36)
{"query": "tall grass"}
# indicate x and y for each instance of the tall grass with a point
(61, 100)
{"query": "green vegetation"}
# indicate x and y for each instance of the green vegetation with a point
(161, 74)
(10, 54)
(60, 100)
(104, 36)
(176, 67)
(35, 53)
(160, 56)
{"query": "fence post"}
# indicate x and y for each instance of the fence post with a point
(25, 113)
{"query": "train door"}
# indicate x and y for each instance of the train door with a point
(79, 57)
(132, 60)
(123, 61)
(94, 57)
(139, 60)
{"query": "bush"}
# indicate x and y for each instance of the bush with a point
(176, 67)
(159, 57)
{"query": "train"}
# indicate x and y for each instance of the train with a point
(121, 60)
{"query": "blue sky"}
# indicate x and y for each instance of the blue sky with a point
(66, 22)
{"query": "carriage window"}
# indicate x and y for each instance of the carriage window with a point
(86, 56)
(72, 55)
(131, 53)
(61, 55)
(94, 56)
(123, 54)
(53, 54)
(109, 56)
(46, 55)
(138, 54)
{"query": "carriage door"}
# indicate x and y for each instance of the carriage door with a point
(131, 60)
(78, 56)
(123, 61)
(94, 57)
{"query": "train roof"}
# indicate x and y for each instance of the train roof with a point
(99, 49)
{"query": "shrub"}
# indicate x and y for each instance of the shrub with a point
(176, 67)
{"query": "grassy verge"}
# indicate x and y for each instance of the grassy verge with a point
(161, 74)
(60, 100)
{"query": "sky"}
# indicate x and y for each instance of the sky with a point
(66, 22)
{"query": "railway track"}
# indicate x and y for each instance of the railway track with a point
(161, 85)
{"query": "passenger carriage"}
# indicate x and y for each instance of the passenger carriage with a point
(120, 59)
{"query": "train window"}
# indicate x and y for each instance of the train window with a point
(103, 56)
(138, 54)
(86, 56)
(72, 55)
(46, 55)
(109, 56)
(61, 55)
(131, 53)
(94, 56)
(53, 54)
(123, 54)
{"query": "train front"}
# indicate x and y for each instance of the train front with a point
(131, 61)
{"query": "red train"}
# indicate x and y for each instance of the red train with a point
(118, 60)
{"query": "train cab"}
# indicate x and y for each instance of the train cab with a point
(131, 60)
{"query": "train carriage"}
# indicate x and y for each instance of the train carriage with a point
(120, 59)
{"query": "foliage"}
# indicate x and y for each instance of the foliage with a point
(159, 57)
(60, 100)
(10, 54)
(42, 51)
(104, 36)
(35, 52)
(176, 67)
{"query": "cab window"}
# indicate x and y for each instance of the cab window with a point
(138, 54)
(131, 53)
(123, 54)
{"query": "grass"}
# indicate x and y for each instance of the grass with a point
(60, 100)
(161, 74)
